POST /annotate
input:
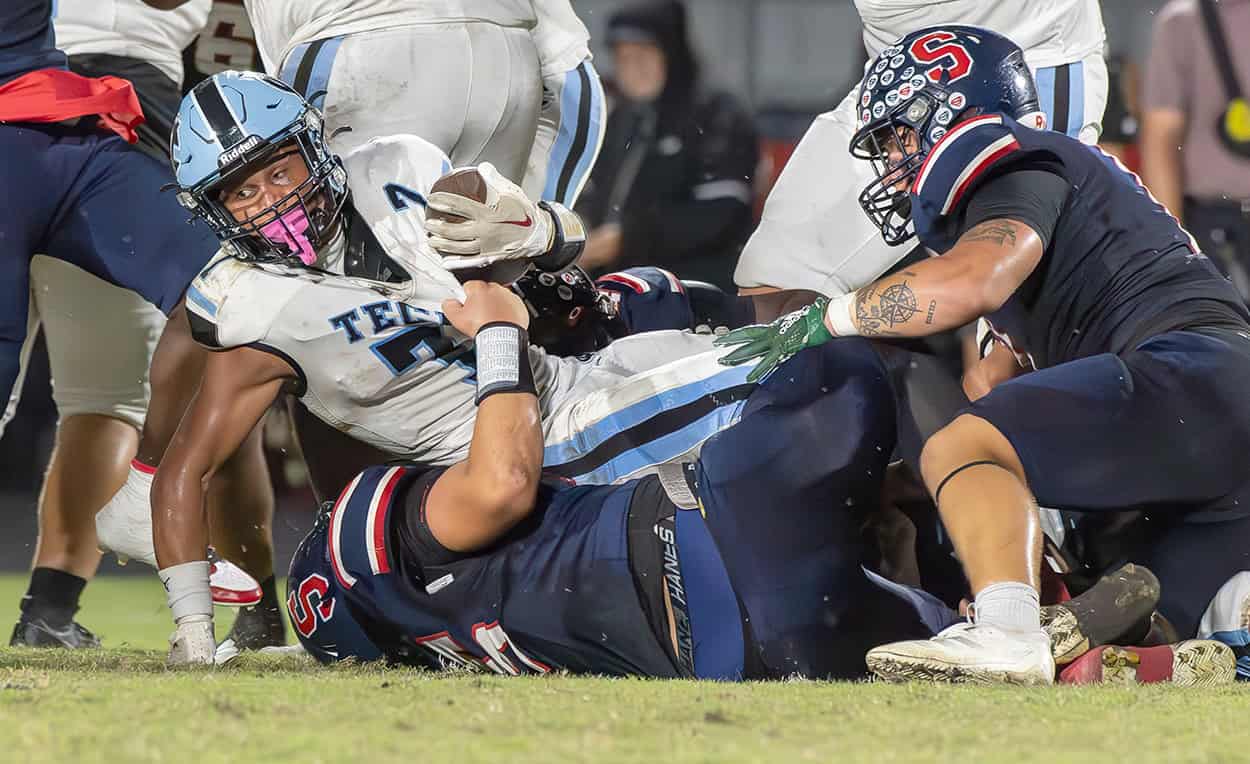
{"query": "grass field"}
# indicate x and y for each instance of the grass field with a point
(121, 704)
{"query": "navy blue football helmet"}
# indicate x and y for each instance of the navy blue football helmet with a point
(316, 603)
(233, 123)
(919, 88)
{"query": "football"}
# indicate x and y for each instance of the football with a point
(467, 182)
(464, 182)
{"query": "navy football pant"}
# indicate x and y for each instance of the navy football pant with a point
(1163, 429)
(785, 492)
(87, 197)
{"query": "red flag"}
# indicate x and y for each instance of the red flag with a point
(55, 95)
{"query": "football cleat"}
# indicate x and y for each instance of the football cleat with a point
(257, 627)
(36, 632)
(226, 652)
(231, 585)
(1192, 663)
(968, 652)
(192, 644)
(1121, 602)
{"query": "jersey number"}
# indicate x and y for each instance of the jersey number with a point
(306, 603)
(949, 56)
(416, 345)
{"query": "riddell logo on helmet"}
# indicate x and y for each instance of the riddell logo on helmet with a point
(238, 150)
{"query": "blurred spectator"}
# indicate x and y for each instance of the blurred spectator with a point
(1196, 127)
(673, 184)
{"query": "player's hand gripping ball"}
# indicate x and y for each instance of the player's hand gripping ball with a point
(775, 343)
(476, 218)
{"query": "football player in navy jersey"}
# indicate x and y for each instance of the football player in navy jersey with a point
(749, 565)
(486, 564)
(1116, 378)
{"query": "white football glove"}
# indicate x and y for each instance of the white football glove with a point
(508, 226)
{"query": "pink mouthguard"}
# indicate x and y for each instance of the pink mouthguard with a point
(289, 229)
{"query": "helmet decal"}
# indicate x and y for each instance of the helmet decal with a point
(951, 59)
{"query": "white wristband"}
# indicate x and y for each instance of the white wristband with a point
(187, 591)
(838, 315)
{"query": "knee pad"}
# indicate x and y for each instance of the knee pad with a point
(1227, 619)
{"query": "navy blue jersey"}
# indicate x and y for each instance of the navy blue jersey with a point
(558, 592)
(27, 42)
(1118, 268)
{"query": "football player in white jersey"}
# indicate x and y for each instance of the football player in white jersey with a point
(814, 238)
(339, 299)
(502, 81)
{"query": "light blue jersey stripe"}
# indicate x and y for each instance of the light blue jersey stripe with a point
(197, 297)
(588, 439)
(1045, 78)
(1076, 103)
(293, 61)
(571, 96)
(319, 82)
(665, 448)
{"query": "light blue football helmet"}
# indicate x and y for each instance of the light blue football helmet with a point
(235, 123)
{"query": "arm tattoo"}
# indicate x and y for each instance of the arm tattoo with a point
(932, 309)
(1001, 232)
(879, 310)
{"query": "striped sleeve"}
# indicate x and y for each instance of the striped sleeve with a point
(358, 539)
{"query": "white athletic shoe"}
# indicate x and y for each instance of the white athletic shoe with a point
(968, 652)
(192, 644)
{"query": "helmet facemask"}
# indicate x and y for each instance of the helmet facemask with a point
(896, 145)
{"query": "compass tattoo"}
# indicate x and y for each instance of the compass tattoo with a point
(879, 310)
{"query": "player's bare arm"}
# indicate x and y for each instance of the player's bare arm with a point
(238, 387)
(478, 500)
(988, 263)
(975, 278)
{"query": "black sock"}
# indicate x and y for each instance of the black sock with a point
(268, 597)
(269, 594)
(53, 596)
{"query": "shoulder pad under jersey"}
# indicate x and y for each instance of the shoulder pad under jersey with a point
(390, 179)
(231, 303)
(959, 160)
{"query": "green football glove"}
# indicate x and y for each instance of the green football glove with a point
(775, 343)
